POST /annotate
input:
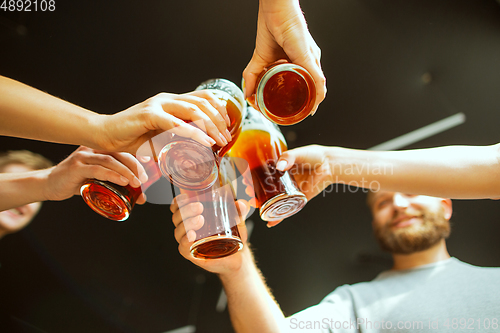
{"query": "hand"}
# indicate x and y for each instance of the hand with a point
(311, 168)
(282, 33)
(249, 191)
(65, 179)
(187, 217)
(129, 129)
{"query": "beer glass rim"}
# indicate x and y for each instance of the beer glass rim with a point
(114, 192)
(187, 185)
(284, 67)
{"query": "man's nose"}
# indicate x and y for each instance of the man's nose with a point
(401, 201)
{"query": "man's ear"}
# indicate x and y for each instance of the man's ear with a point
(448, 208)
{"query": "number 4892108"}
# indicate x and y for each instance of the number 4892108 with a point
(28, 5)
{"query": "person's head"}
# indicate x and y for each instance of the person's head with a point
(404, 223)
(15, 219)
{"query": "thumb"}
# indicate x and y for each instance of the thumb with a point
(291, 157)
(250, 74)
(243, 208)
(273, 223)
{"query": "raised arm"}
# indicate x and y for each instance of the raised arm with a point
(30, 113)
(282, 33)
(252, 307)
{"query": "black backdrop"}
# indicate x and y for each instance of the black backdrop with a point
(73, 271)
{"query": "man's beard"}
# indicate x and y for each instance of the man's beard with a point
(413, 238)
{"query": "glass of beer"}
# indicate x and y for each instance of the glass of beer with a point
(219, 236)
(259, 147)
(284, 92)
(192, 166)
(113, 201)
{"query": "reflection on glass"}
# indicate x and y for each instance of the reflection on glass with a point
(259, 147)
(192, 166)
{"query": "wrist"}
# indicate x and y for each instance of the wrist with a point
(354, 166)
(42, 177)
(335, 160)
(98, 135)
(236, 274)
(279, 13)
(275, 5)
(34, 185)
(21, 188)
(345, 164)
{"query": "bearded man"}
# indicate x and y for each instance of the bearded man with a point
(426, 289)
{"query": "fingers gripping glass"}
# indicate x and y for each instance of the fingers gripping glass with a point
(113, 201)
(185, 162)
(192, 166)
(219, 236)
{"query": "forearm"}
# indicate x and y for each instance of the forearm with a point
(251, 306)
(276, 4)
(274, 7)
(19, 189)
(457, 172)
(30, 113)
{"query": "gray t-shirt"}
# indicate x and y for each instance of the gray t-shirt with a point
(446, 296)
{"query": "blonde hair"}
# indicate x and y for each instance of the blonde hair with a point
(24, 157)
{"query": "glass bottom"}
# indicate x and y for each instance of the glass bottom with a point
(282, 206)
(105, 200)
(286, 94)
(188, 164)
(215, 247)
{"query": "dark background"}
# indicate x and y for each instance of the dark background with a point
(74, 271)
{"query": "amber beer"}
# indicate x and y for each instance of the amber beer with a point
(113, 201)
(219, 237)
(284, 93)
(192, 166)
(259, 147)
